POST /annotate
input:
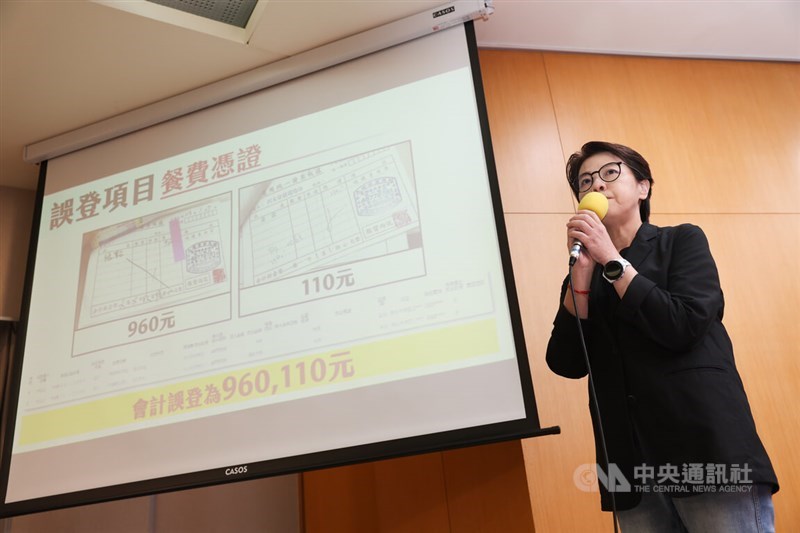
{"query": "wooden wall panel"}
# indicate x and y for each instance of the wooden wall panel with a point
(476, 490)
(270, 505)
(530, 164)
(487, 489)
(340, 500)
(411, 495)
(530, 161)
(397, 495)
(720, 136)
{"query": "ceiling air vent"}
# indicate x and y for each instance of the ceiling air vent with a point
(233, 12)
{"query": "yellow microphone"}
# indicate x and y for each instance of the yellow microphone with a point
(598, 204)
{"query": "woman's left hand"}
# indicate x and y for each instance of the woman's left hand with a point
(585, 226)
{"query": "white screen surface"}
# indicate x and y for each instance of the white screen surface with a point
(313, 267)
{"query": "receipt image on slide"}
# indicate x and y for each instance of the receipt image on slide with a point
(153, 271)
(331, 228)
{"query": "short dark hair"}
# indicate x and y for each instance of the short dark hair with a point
(629, 156)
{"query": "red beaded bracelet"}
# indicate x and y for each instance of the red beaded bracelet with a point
(581, 292)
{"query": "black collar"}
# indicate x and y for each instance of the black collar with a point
(642, 244)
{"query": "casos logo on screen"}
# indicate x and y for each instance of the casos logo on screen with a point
(236, 470)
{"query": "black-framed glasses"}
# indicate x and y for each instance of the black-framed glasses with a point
(608, 173)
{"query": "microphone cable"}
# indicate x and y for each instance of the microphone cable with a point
(593, 394)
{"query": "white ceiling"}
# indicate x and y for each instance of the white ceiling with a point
(67, 64)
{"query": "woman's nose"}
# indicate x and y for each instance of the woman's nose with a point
(598, 184)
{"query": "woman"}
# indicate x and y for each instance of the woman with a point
(675, 416)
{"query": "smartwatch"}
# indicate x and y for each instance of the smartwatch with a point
(614, 269)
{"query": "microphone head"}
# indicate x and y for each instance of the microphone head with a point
(596, 202)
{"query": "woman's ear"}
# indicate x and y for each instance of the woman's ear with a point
(644, 189)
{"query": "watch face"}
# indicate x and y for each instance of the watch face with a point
(613, 269)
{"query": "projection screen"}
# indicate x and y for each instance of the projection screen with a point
(310, 275)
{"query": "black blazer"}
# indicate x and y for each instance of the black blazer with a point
(663, 366)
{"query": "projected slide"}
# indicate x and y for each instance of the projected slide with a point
(310, 268)
(331, 290)
(154, 275)
(330, 229)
